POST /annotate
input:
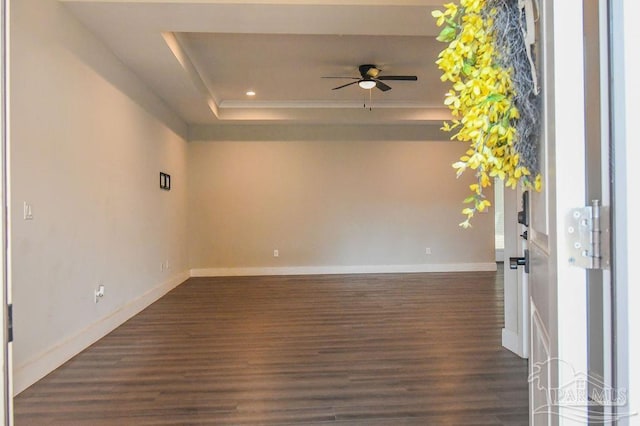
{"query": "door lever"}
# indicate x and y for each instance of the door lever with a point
(514, 262)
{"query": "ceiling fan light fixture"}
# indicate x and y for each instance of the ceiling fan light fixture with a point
(367, 84)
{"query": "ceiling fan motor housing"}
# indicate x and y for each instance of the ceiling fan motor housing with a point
(368, 71)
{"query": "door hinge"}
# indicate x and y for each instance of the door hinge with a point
(588, 236)
(9, 323)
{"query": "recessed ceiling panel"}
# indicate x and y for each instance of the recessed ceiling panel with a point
(285, 68)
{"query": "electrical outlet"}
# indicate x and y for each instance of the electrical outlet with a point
(28, 211)
(98, 294)
(276, 253)
(427, 250)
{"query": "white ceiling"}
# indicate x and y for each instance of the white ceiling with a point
(202, 56)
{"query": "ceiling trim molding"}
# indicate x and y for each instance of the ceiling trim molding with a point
(358, 115)
(190, 66)
(295, 132)
(330, 104)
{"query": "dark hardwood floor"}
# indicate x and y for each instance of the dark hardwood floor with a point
(391, 349)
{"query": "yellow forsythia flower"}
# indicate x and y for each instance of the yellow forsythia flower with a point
(480, 100)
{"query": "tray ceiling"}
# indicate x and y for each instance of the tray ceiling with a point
(202, 57)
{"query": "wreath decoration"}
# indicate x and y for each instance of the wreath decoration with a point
(494, 95)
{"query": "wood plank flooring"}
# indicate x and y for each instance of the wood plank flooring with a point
(389, 349)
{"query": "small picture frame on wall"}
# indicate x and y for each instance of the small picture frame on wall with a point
(165, 181)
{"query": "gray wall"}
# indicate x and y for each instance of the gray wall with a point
(87, 158)
(330, 204)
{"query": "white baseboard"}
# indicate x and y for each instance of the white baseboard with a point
(330, 270)
(34, 369)
(511, 341)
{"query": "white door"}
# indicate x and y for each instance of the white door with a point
(558, 308)
(570, 308)
(515, 334)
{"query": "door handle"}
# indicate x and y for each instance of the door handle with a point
(514, 262)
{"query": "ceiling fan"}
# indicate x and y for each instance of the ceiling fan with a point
(370, 77)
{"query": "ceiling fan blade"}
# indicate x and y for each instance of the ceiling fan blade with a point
(350, 78)
(398, 77)
(380, 85)
(345, 85)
